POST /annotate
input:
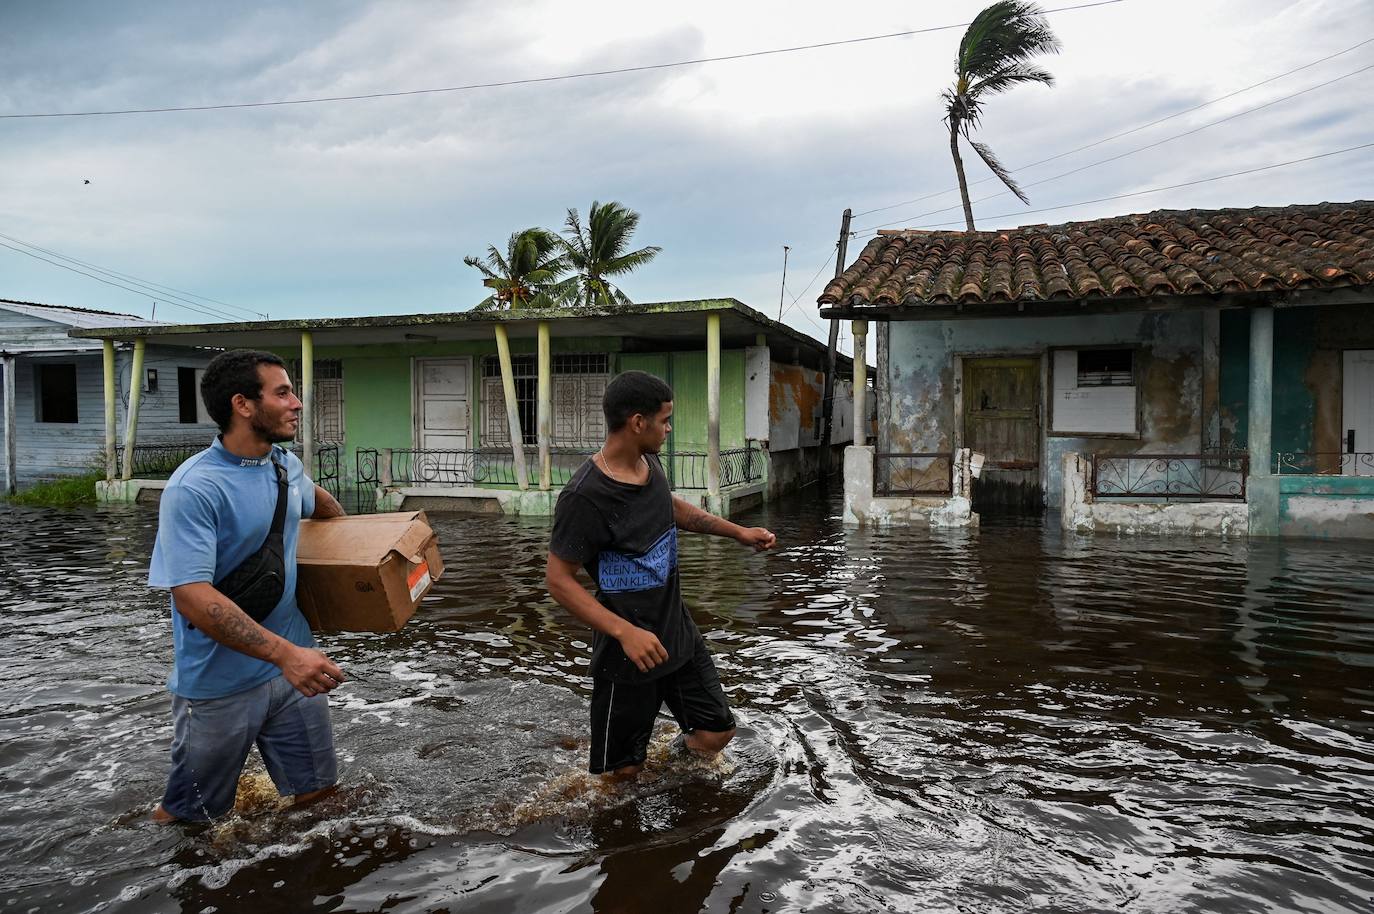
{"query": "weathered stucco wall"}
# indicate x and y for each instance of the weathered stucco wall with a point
(1081, 513)
(924, 365)
(1307, 374)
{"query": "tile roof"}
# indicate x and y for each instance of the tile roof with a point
(1136, 259)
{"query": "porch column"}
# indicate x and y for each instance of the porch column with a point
(860, 331)
(544, 414)
(307, 431)
(713, 404)
(517, 437)
(11, 454)
(1211, 380)
(1261, 408)
(131, 422)
(111, 428)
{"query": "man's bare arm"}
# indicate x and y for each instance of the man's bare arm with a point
(326, 505)
(640, 645)
(689, 517)
(310, 671)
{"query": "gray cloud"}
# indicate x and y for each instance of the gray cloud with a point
(369, 206)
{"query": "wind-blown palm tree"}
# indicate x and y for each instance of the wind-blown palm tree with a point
(527, 276)
(994, 55)
(597, 251)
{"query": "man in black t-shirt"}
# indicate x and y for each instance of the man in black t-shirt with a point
(618, 519)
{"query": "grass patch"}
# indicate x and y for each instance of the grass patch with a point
(68, 492)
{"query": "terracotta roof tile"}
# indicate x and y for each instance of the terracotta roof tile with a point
(1165, 253)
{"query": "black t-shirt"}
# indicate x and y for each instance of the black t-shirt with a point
(625, 536)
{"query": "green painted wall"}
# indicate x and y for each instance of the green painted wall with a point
(686, 373)
(1294, 404)
(377, 406)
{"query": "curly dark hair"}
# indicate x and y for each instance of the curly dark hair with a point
(633, 392)
(230, 373)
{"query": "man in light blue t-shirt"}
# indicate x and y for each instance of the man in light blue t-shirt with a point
(237, 682)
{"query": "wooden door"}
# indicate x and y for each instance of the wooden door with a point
(1357, 413)
(1002, 422)
(442, 399)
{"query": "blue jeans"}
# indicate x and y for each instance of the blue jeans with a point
(211, 738)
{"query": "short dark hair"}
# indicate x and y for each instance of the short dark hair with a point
(230, 373)
(632, 392)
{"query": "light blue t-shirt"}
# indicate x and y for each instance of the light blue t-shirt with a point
(215, 512)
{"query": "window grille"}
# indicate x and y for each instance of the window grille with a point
(579, 383)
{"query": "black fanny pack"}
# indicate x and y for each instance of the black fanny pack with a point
(259, 581)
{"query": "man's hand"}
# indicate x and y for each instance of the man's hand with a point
(642, 647)
(757, 538)
(311, 672)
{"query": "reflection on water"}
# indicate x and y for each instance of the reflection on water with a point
(999, 720)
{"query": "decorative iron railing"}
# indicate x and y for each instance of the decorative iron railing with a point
(913, 474)
(1170, 477)
(496, 467)
(1325, 463)
(738, 466)
(160, 461)
(479, 467)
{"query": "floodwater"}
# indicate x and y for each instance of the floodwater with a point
(1010, 719)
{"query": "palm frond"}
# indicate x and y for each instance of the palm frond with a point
(1007, 77)
(1000, 170)
(1004, 32)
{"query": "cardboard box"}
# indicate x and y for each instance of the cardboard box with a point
(365, 573)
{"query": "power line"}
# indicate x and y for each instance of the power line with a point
(535, 79)
(1117, 136)
(142, 292)
(157, 288)
(1155, 190)
(1131, 152)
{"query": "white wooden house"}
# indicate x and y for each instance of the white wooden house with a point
(53, 401)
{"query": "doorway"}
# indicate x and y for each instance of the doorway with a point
(1002, 422)
(1357, 413)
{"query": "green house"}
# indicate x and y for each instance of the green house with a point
(492, 411)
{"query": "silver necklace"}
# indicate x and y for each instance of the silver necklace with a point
(607, 467)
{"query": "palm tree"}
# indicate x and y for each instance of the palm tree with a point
(527, 276)
(994, 55)
(597, 251)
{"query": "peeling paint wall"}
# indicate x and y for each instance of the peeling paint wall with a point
(1307, 374)
(924, 395)
(1082, 514)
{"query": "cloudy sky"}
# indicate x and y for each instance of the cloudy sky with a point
(366, 207)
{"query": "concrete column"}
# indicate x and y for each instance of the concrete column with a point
(135, 393)
(544, 414)
(860, 331)
(713, 404)
(1211, 380)
(517, 437)
(111, 426)
(11, 451)
(307, 432)
(1261, 417)
(1262, 489)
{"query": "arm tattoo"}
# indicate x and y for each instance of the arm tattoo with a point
(702, 522)
(232, 627)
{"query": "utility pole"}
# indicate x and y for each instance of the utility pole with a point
(828, 399)
(782, 293)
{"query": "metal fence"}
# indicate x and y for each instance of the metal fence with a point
(1325, 463)
(160, 461)
(738, 466)
(496, 467)
(1171, 477)
(913, 474)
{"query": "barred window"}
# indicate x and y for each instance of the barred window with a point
(579, 382)
(328, 418)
